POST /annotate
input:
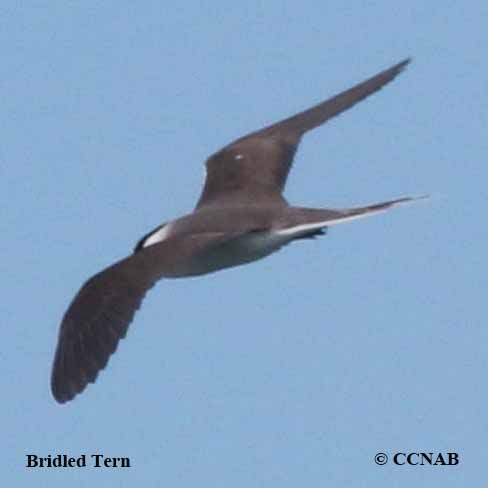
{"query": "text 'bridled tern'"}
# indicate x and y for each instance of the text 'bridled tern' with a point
(241, 217)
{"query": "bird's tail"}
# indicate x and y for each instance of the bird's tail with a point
(306, 220)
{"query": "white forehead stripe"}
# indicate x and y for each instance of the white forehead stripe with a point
(158, 236)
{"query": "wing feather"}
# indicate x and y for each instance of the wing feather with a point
(254, 168)
(100, 314)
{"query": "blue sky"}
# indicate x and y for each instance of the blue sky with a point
(294, 371)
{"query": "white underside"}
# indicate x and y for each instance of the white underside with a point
(259, 244)
(244, 249)
(274, 239)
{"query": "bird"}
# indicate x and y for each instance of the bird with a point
(240, 217)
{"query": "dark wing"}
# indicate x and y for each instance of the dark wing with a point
(104, 307)
(254, 168)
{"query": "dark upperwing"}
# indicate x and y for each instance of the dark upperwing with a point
(100, 314)
(254, 168)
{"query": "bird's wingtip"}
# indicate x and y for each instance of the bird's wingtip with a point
(403, 64)
(409, 200)
(425, 196)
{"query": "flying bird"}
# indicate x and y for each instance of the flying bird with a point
(241, 217)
